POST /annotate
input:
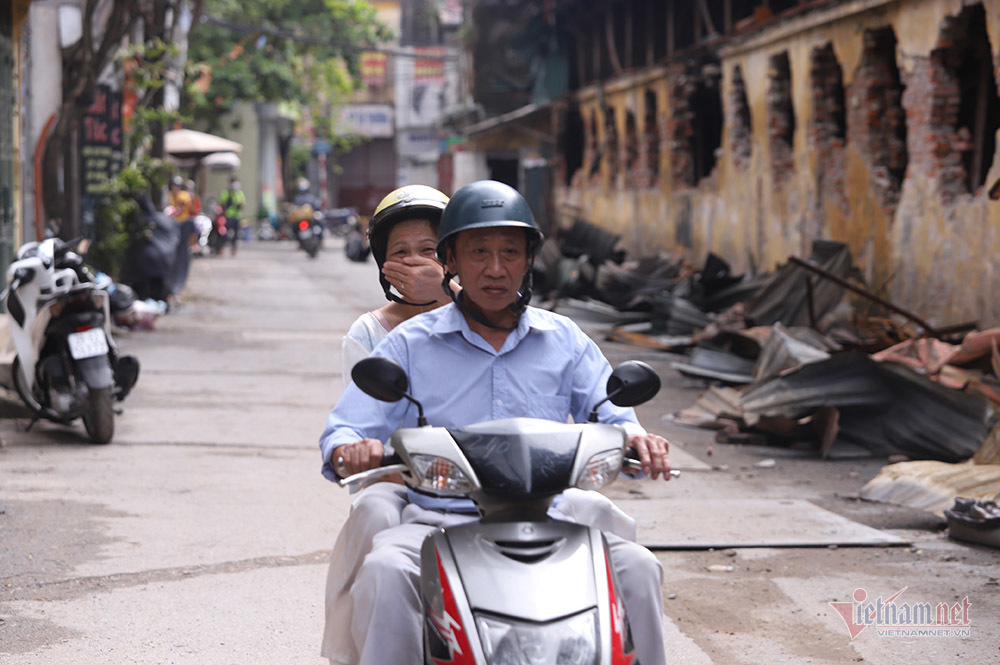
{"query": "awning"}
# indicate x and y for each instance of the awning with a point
(221, 161)
(187, 143)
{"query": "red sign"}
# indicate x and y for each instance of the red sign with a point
(429, 69)
(373, 66)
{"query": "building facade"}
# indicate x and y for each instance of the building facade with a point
(750, 129)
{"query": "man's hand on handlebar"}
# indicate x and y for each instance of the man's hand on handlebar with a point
(357, 457)
(653, 453)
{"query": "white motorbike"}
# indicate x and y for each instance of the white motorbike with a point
(517, 586)
(67, 364)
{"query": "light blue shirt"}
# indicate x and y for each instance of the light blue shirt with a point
(547, 368)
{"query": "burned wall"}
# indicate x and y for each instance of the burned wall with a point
(872, 124)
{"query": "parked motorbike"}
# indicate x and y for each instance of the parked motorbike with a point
(67, 364)
(356, 247)
(340, 221)
(517, 586)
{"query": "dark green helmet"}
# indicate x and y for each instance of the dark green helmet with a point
(486, 204)
(483, 204)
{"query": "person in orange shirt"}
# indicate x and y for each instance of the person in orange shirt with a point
(180, 199)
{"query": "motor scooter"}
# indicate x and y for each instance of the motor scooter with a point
(67, 364)
(307, 224)
(340, 221)
(517, 586)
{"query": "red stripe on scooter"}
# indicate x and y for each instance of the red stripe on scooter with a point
(450, 625)
(618, 655)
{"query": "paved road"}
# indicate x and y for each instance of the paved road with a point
(201, 534)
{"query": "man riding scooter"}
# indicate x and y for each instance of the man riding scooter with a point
(487, 356)
(304, 217)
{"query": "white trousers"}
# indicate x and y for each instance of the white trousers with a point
(374, 509)
(386, 582)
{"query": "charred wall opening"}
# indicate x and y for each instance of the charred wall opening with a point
(609, 149)
(696, 121)
(651, 125)
(965, 103)
(706, 104)
(780, 116)
(875, 118)
(631, 148)
(740, 129)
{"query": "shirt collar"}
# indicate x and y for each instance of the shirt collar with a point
(452, 320)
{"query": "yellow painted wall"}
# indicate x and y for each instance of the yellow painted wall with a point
(935, 259)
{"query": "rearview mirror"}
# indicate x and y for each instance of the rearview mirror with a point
(386, 381)
(633, 383)
(630, 384)
(381, 378)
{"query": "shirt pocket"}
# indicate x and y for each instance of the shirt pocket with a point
(547, 407)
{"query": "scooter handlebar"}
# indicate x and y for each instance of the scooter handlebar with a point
(632, 465)
(390, 464)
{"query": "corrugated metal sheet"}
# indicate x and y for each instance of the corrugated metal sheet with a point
(933, 486)
(785, 297)
(885, 407)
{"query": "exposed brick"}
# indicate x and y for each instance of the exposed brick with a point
(827, 132)
(695, 125)
(780, 118)
(635, 170)
(876, 121)
(680, 125)
(740, 142)
(951, 81)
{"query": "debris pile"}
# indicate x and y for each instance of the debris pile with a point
(793, 360)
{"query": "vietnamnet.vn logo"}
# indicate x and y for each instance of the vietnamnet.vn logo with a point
(895, 619)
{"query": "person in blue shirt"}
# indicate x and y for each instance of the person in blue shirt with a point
(486, 356)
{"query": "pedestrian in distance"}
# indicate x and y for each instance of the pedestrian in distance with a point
(232, 199)
(179, 199)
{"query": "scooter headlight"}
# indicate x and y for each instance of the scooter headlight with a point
(571, 641)
(601, 470)
(440, 475)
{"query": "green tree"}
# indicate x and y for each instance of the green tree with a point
(303, 51)
(120, 227)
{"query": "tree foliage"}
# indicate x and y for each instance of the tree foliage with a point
(302, 51)
(120, 227)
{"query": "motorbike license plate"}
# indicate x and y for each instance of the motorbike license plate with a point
(87, 344)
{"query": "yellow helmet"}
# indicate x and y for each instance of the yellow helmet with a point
(409, 202)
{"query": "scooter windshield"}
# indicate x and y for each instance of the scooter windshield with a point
(521, 457)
